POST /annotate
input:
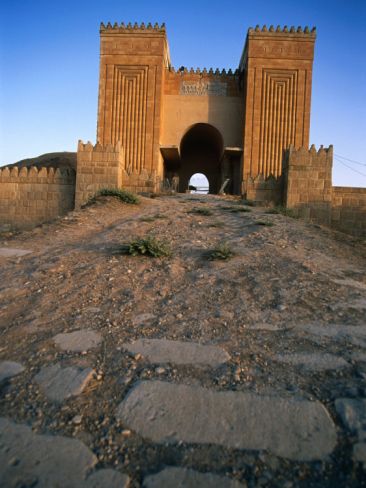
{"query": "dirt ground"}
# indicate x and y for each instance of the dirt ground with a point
(285, 275)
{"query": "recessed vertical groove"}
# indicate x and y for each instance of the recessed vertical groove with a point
(282, 122)
(262, 123)
(133, 122)
(128, 118)
(264, 132)
(286, 109)
(271, 128)
(295, 104)
(275, 139)
(129, 111)
(145, 91)
(278, 118)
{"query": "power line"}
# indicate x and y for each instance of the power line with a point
(350, 167)
(350, 160)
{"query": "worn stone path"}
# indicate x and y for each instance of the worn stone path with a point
(60, 383)
(184, 478)
(291, 428)
(177, 352)
(8, 369)
(47, 461)
(182, 372)
(78, 341)
(11, 252)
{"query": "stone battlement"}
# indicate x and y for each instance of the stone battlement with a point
(204, 71)
(280, 31)
(89, 147)
(37, 175)
(310, 156)
(29, 196)
(131, 28)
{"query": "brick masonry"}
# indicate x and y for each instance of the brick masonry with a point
(157, 123)
(29, 196)
(309, 192)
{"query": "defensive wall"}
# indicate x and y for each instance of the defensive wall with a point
(157, 123)
(309, 192)
(30, 196)
(105, 167)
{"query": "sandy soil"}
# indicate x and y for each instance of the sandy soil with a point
(284, 276)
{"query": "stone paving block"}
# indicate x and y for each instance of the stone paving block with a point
(293, 428)
(353, 414)
(28, 459)
(313, 361)
(339, 332)
(188, 478)
(359, 452)
(8, 369)
(12, 252)
(59, 384)
(107, 478)
(78, 341)
(177, 352)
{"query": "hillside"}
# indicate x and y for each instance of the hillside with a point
(55, 160)
(249, 371)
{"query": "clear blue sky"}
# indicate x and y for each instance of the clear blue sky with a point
(49, 57)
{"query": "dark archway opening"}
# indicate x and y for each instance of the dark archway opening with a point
(201, 151)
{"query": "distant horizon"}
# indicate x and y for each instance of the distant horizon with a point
(49, 67)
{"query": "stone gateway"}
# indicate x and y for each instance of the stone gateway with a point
(157, 126)
(167, 123)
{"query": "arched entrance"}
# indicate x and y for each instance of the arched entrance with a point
(198, 183)
(201, 150)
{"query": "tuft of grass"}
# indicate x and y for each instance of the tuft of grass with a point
(240, 209)
(249, 203)
(152, 218)
(280, 209)
(200, 211)
(146, 219)
(221, 251)
(264, 223)
(216, 223)
(123, 195)
(236, 209)
(147, 246)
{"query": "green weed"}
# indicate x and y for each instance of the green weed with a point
(200, 211)
(148, 246)
(123, 195)
(221, 251)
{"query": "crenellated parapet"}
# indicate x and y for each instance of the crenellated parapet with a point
(32, 195)
(89, 147)
(204, 71)
(131, 28)
(309, 157)
(264, 189)
(280, 31)
(35, 174)
(308, 182)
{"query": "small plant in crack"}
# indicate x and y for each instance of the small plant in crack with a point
(221, 251)
(200, 211)
(147, 246)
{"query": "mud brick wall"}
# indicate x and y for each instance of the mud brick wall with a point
(277, 66)
(262, 189)
(308, 183)
(29, 196)
(97, 167)
(143, 182)
(349, 210)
